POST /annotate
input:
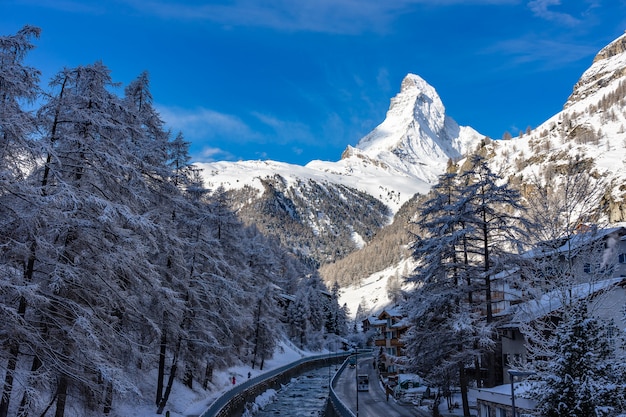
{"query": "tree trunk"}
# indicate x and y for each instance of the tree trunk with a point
(170, 380)
(22, 412)
(161, 373)
(436, 405)
(61, 396)
(188, 377)
(108, 398)
(208, 375)
(168, 389)
(463, 386)
(14, 351)
(8, 379)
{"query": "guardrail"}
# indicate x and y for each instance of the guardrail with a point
(336, 408)
(232, 403)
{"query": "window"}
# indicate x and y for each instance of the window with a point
(611, 332)
(587, 267)
(622, 258)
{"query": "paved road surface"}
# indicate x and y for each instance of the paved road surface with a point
(373, 402)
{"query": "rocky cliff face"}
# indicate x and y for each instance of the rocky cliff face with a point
(591, 127)
(606, 69)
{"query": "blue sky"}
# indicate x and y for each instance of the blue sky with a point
(296, 80)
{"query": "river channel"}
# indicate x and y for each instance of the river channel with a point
(304, 396)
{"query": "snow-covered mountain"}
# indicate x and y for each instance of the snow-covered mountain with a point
(406, 153)
(417, 138)
(400, 157)
(325, 210)
(590, 128)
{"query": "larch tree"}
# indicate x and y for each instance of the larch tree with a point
(444, 337)
(495, 216)
(84, 233)
(18, 155)
(115, 261)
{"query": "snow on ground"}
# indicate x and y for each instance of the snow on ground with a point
(185, 402)
(373, 290)
(261, 401)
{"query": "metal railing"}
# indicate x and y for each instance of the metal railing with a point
(338, 406)
(243, 390)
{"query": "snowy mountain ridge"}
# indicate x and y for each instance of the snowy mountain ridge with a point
(590, 127)
(402, 156)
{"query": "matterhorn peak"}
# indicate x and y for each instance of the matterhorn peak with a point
(417, 137)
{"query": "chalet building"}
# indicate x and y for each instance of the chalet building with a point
(496, 401)
(596, 262)
(389, 326)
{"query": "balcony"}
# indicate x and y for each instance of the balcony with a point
(388, 342)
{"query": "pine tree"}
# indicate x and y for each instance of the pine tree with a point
(583, 378)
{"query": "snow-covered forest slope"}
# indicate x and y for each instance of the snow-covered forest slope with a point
(121, 276)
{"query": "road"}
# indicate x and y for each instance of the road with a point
(371, 403)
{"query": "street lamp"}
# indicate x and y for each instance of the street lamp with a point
(356, 376)
(512, 374)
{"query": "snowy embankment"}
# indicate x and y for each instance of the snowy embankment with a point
(193, 402)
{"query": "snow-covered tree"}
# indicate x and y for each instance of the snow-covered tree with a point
(18, 155)
(443, 338)
(465, 227)
(336, 318)
(115, 260)
(583, 377)
(498, 232)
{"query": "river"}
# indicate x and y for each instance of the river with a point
(304, 396)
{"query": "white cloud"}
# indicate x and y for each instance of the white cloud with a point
(210, 154)
(328, 16)
(201, 123)
(549, 53)
(541, 8)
